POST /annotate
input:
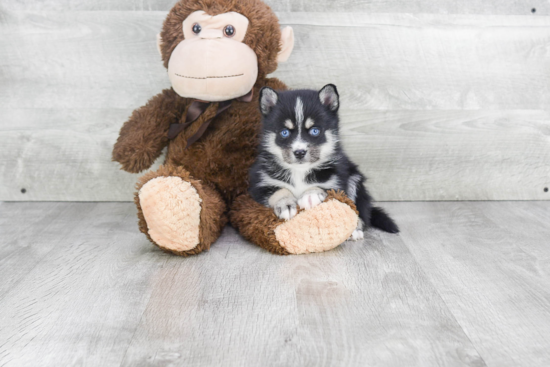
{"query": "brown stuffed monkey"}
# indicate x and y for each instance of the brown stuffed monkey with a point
(218, 54)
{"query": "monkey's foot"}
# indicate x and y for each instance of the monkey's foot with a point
(172, 208)
(318, 229)
(178, 213)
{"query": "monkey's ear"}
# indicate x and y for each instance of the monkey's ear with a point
(328, 95)
(159, 43)
(268, 100)
(287, 44)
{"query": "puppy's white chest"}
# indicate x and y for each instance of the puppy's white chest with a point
(299, 184)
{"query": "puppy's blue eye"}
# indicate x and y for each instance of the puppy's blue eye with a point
(285, 133)
(314, 131)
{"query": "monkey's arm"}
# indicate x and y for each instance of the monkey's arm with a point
(144, 135)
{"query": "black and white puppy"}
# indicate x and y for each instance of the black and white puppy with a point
(300, 157)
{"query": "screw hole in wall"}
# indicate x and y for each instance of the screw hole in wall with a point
(23, 191)
(533, 10)
(546, 189)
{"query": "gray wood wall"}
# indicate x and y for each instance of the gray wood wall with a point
(441, 100)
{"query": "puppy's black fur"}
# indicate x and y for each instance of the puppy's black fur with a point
(300, 152)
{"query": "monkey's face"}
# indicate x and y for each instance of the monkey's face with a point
(213, 63)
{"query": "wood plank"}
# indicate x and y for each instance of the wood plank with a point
(63, 154)
(24, 223)
(491, 264)
(109, 60)
(57, 154)
(463, 285)
(451, 155)
(77, 60)
(504, 7)
(79, 303)
(425, 121)
(401, 61)
(363, 304)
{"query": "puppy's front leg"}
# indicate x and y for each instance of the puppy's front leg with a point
(311, 198)
(283, 203)
(358, 232)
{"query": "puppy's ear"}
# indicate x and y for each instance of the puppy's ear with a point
(328, 95)
(268, 100)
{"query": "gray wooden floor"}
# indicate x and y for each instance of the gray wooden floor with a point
(465, 284)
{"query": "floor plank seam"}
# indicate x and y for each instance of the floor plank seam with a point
(138, 324)
(428, 279)
(14, 285)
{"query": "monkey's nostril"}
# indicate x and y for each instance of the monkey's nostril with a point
(300, 153)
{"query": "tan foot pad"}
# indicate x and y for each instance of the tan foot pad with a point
(318, 229)
(171, 207)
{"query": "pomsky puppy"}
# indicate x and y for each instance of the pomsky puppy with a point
(300, 158)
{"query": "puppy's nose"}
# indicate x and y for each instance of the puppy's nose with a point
(301, 153)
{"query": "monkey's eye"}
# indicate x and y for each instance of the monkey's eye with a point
(314, 131)
(229, 30)
(197, 28)
(285, 133)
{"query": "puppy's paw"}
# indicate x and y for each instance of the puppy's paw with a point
(312, 198)
(285, 208)
(357, 235)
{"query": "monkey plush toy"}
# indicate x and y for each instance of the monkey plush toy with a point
(218, 54)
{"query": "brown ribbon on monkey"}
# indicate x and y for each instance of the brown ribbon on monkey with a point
(195, 110)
